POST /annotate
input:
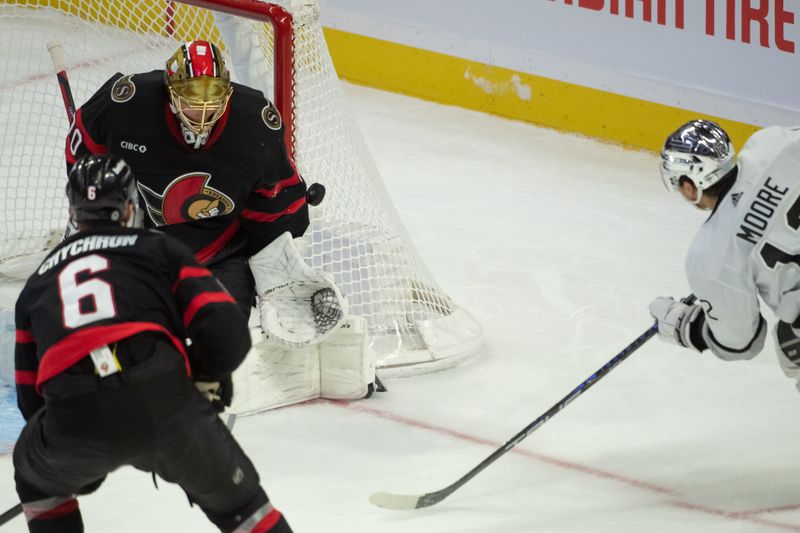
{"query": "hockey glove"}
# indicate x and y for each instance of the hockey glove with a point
(298, 306)
(675, 321)
(219, 393)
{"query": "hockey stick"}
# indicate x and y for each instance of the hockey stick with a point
(57, 57)
(407, 502)
(11, 513)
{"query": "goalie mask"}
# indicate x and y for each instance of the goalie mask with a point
(99, 189)
(199, 86)
(700, 151)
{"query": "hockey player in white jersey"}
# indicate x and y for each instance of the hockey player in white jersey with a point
(749, 247)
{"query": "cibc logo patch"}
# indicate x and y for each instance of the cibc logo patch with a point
(133, 146)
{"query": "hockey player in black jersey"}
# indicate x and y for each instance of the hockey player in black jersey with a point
(209, 158)
(213, 172)
(103, 373)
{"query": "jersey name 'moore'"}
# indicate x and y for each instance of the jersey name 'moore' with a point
(760, 211)
(87, 244)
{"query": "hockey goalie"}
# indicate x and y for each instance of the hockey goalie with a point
(214, 173)
(311, 347)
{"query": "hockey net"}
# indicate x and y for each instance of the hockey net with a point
(355, 234)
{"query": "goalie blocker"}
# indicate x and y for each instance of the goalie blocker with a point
(311, 347)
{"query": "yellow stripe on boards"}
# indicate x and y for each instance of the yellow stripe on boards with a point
(143, 16)
(516, 95)
(448, 80)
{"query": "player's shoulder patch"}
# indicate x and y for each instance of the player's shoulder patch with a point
(271, 116)
(123, 89)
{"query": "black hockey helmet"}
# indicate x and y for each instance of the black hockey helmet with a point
(99, 189)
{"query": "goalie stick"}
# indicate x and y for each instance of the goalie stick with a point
(57, 57)
(398, 502)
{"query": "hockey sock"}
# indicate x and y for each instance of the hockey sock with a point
(45, 516)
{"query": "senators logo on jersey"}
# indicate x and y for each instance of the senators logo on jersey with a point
(188, 197)
(123, 89)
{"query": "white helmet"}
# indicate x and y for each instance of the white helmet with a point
(700, 151)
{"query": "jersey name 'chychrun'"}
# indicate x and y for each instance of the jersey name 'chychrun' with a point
(106, 284)
(87, 244)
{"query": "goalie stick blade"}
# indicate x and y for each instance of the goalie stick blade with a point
(406, 502)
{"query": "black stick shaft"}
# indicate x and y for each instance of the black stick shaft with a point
(66, 94)
(435, 497)
(57, 56)
(11, 513)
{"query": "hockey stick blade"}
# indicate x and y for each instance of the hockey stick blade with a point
(401, 502)
(407, 502)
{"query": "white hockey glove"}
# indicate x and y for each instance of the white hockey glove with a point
(218, 393)
(675, 320)
(209, 390)
(298, 306)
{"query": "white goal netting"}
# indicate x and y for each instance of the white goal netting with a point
(356, 234)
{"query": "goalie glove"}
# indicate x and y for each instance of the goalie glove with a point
(675, 321)
(297, 305)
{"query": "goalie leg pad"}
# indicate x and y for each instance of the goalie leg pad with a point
(340, 368)
(347, 367)
(276, 375)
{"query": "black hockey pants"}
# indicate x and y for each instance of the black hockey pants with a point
(150, 416)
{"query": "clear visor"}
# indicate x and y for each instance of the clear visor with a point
(673, 167)
(704, 171)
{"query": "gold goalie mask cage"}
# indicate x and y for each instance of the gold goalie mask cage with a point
(199, 85)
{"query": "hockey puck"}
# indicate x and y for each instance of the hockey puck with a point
(315, 194)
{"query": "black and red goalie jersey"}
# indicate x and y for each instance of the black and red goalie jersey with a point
(238, 191)
(104, 285)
